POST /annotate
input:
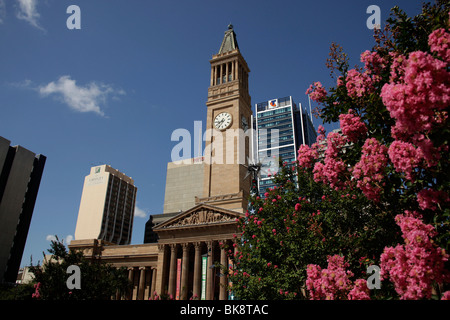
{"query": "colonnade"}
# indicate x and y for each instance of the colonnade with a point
(226, 72)
(143, 283)
(188, 270)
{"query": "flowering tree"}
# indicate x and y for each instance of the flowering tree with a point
(377, 192)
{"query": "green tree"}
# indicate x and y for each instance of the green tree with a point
(99, 281)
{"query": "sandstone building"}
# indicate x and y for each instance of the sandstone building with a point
(182, 262)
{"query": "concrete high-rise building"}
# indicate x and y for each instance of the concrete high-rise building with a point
(107, 206)
(281, 128)
(20, 177)
(184, 182)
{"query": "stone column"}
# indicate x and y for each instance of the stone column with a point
(160, 282)
(197, 269)
(210, 272)
(154, 277)
(232, 71)
(130, 279)
(141, 284)
(216, 75)
(148, 282)
(172, 270)
(212, 77)
(223, 279)
(226, 72)
(185, 272)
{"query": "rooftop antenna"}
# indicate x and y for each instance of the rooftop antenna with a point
(310, 113)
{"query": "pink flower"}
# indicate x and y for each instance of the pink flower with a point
(298, 207)
(317, 92)
(405, 158)
(331, 283)
(430, 199)
(446, 295)
(373, 63)
(421, 90)
(330, 172)
(36, 293)
(358, 83)
(306, 156)
(439, 42)
(369, 171)
(416, 265)
(352, 126)
(360, 291)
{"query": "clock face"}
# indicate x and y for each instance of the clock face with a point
(244, 123)
(222, 120)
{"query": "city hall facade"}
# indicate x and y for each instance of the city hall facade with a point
(191, 244)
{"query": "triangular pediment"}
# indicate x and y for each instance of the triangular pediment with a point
(198, 216)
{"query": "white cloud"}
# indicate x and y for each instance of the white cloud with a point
(28, 12)
(66, 240)
(79, 98)
(50, 238)
(138, 212)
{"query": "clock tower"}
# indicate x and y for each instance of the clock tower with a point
(228, 128)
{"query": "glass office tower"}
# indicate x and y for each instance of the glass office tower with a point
(281, 128)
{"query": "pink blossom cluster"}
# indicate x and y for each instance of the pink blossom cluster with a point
(333, 168)
(36, 293)
(352, 126)
(318, 146)
(335, 143)
(330, 172)
(423, 91)
(358, 83)
(439, 42)
(321, 131)
(306, 156)
(405, 158)
(373, 64)
(369, 171)
(334, 282)
(416, 265)
(360, 291)
(317, 92)
(398, 66)
(431, 199)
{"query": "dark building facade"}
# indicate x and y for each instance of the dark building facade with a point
(20, 176)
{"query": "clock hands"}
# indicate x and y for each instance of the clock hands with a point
(218, 124)
(222, 121)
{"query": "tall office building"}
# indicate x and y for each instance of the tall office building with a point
(107, 206)
(281, 128)
(20, 177)
(184, 182)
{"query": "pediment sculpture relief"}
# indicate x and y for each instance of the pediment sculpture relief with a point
(202, 217)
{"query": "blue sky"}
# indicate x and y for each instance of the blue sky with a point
(114, 91)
